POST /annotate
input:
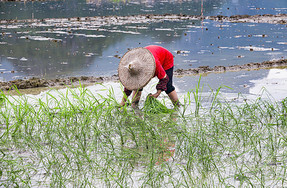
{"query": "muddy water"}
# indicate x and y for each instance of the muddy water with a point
(58, 48)
(250, 84)
(35, 44)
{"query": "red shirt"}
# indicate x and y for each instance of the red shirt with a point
(163, 60)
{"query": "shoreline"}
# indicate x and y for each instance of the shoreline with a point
(146, 18)
(265, 18)
(36, 82)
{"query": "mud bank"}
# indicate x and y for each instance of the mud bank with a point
(98, 21)
(35, 82)
(84, 80)
(221, 69)
(266, 18)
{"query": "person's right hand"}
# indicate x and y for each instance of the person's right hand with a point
(156, 94)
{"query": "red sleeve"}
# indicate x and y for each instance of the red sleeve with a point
(162, 84)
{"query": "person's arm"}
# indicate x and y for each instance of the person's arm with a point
(161, 86)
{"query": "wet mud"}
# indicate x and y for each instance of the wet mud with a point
(221, 69)
(84, 80)
(35, 82)
(265, 18)
(146, 18)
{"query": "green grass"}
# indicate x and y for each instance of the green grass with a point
(2, 98)
(154, 106)
(77, 138)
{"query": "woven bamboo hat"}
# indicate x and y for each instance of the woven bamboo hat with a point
(136, 68)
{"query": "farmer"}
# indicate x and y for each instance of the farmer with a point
(139, 65)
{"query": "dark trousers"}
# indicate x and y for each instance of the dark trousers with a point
(169, 86)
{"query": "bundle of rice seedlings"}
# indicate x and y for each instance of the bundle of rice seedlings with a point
(154, 106)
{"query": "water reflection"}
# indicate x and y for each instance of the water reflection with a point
(81, 8)
(67, 48)
(83, 46)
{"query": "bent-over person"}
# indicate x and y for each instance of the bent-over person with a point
(139, 65)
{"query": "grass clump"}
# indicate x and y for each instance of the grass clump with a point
(154, 106)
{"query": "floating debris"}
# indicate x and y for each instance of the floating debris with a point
(182, 52)
(89, 54)
(54, 32)
(260, 36)
(91, 36)
(190, 61)
(164, 29)
(127, 32)
(117, 56)
(253, 48)
(23, 59)
(40, 38)
(11, 58)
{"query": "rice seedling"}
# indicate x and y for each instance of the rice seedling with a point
(154, 106)
(77, 138)
(2, 99)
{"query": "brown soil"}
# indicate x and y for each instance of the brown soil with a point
(84, 80)
(53, 83)
(266, 18)
(220, 69)
(146, 18)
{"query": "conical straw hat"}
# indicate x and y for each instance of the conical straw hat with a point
(136, 68)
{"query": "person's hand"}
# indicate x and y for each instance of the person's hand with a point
(156, 94)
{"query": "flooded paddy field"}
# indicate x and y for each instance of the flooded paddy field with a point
(220, 136)
(230, 74)
(81, 137)
(48, 52)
